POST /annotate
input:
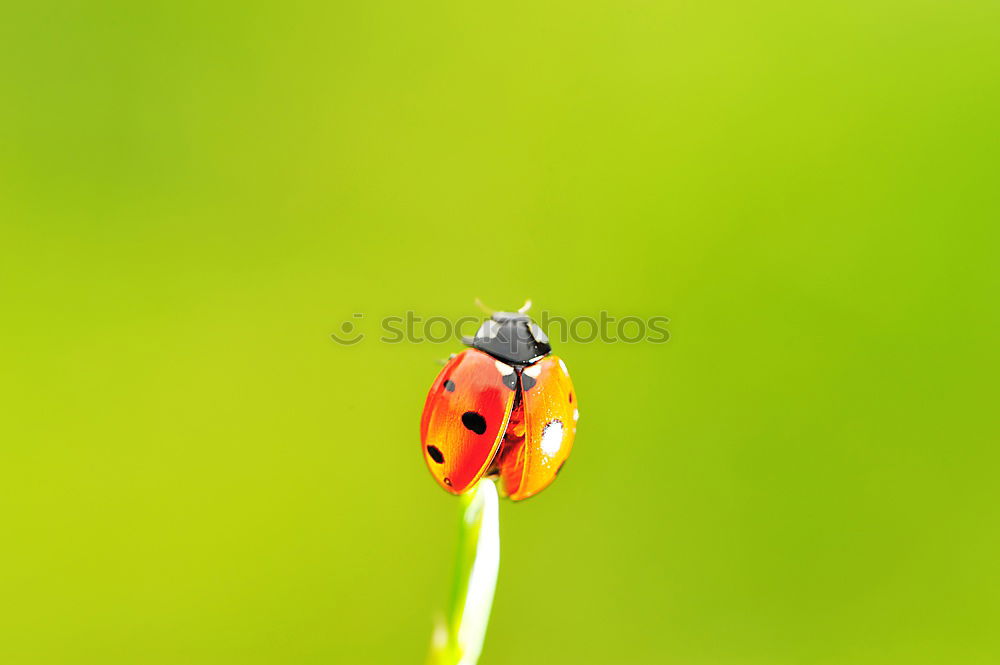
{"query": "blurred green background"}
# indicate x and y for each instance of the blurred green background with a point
(194, 196)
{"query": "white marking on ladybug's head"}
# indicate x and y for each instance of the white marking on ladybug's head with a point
(489, 329)
(563, 365)
(552, 437)
(576, 414)
(504, 368)
(538, 333)
(533, 371)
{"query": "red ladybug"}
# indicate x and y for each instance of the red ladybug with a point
(504, 407)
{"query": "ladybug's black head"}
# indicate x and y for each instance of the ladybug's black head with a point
(513, 338)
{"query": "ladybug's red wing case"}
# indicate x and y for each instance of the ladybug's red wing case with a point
(465, 416)
(541, 435)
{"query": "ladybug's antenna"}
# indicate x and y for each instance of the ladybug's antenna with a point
(486, 309)
(525, 307)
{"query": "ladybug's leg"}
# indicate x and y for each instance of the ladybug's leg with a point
(443, 361)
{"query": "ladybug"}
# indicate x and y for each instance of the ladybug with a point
(504, 407)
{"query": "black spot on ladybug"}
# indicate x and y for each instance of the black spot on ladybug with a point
(527, 382)
(510, 380)
(447, 481)
(474, 422)
(435, 454)
(571, 398)
(449, 385)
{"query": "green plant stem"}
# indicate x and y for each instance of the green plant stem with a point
(458, 640)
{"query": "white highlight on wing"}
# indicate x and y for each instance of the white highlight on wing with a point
(563, 365)
(552, 437)
(533, 371)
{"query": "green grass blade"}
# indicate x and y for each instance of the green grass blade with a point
(459, 640)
